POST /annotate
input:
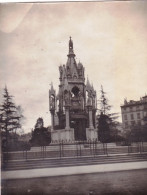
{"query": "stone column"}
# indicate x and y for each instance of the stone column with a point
(90, 118)
(52, 121)
(67, 118)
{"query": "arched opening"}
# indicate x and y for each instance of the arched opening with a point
(75, 92)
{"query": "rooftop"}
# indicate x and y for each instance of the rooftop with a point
(133, 102)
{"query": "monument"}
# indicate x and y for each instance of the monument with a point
(73, 108)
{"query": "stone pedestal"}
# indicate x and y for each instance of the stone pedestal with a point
(91, 134)
(52, 122)
(66, 135)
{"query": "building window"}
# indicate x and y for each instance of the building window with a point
(137, 107)
(132, 123)
(125, 117)
(139, 122)
(138, 115)
(126, 124)
(131, 108)
(132, 116)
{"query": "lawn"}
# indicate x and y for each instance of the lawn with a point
(123, 183)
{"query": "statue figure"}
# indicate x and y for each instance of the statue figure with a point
(66, 98)
(52, 102)
(89, 101)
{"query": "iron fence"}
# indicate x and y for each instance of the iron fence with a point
(75, 149)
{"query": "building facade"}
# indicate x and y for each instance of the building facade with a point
(134, 113)
(73, 108)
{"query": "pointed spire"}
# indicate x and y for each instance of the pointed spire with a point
(80, 64)
(52, 90)
(88, 83)
(70, 43)
(92, 87)
(88, 86)
(64, 72)
(71, 52)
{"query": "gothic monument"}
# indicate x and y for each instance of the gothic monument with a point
(73, 109)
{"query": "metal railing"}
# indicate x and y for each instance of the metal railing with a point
(75, 149)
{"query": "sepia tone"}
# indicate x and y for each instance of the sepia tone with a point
(73, 102)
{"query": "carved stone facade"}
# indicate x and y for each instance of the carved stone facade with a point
(73, 109)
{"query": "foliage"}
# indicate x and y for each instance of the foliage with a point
(103, 128)
(14, 143)
(138, 133)
(107, 130)
(40, 136)
(104, 106)
(10, 117)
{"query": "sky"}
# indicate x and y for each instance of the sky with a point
(109, 38)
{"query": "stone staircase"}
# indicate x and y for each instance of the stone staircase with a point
(71, 150)
(76, 161)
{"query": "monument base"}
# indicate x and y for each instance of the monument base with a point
(91, 134)
(66, 135)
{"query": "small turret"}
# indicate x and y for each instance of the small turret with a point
(88, 86)
(52, 98)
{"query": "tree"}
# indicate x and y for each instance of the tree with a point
(9, 117)
(40, 136)
(106, 121)
(104, 106)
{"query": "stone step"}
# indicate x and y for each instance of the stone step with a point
(68, 153)
(46, 163)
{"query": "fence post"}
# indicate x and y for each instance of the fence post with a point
(93, 148)
(90, 147)
(77, 148)
(142, 146)
(103, 148)
(26, 155)
(23, 152)
(62, 148)
(80, 148)
(128, 149)
(96, 147)
(45, 151)
(106, 149)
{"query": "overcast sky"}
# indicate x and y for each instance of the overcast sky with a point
(110, 39)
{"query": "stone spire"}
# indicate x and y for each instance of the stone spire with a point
(88, 86)
(71, 52)
(52, 90)
(71, 65)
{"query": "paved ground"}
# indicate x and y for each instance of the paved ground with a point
(59, 171)
(132, 182)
